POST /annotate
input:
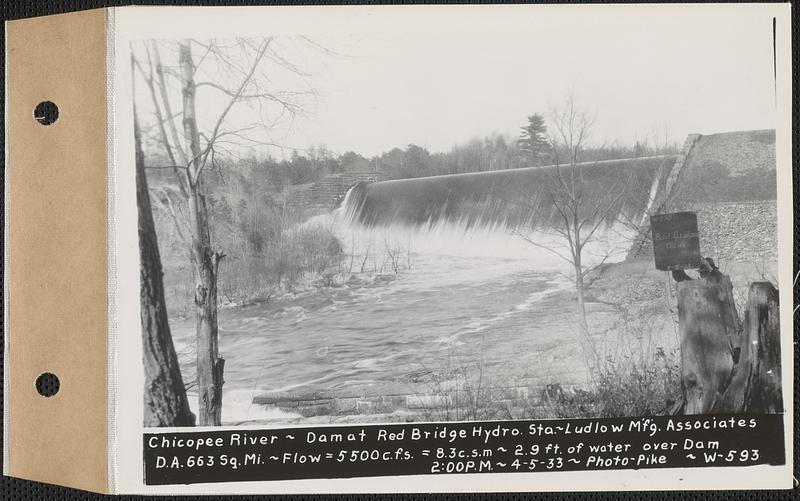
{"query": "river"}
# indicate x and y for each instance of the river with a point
(482, 302)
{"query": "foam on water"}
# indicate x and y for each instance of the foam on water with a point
(491, 239)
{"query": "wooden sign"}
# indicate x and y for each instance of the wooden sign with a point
(676, 241)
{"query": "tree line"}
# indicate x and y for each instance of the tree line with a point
(493, 152)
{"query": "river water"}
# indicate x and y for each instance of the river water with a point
(478, 300)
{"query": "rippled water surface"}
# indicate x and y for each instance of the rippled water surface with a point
(469, 298)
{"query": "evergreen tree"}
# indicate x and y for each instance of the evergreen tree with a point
(533, 140)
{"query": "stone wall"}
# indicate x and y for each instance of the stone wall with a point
(740, 152)
(729, 167)
(677, 167)
(731, 232)
(326, 194)
(425, 404)
(729, 180)
(739, 232)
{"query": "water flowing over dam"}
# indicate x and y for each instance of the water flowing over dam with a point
(511, 198)
(488, 212)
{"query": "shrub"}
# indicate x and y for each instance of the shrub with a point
(647, 389)
(286, 259)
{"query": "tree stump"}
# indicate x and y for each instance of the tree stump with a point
(757, 385)
(709, 334)
(728, 367)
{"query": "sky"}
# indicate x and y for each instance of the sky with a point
(641, 77)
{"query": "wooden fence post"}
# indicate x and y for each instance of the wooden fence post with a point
(709, 334)
(728, 367)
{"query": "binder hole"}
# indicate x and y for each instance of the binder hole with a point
(46, 112)
(47, 384)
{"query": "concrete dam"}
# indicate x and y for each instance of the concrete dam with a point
(512, 198)
(727, 178)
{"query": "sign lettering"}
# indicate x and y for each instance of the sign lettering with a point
(676, 241)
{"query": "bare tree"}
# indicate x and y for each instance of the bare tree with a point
(165, 402)
(581, 210)
(235, 73)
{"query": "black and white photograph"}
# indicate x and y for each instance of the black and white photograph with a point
(566, 217)
(368, 249)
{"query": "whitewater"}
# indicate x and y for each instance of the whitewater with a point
(434, 299)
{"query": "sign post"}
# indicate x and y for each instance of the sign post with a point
(676, 241)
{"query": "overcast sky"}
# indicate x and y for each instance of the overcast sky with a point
(438, 88)
(437, 91)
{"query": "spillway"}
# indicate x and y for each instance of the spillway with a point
(513, 198)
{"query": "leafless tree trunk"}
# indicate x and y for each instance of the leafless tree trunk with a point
(205, 260)
(165, 402)
(583, 324)
(189, 153)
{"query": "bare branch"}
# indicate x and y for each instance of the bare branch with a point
(162, 85)
(234, 98)
(541, 246)
(165, 203)
(290, 107)
(161, 167)
(148, 78)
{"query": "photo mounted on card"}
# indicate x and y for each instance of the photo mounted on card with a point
(449, 248)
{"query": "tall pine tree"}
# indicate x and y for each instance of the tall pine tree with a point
(533, 140)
